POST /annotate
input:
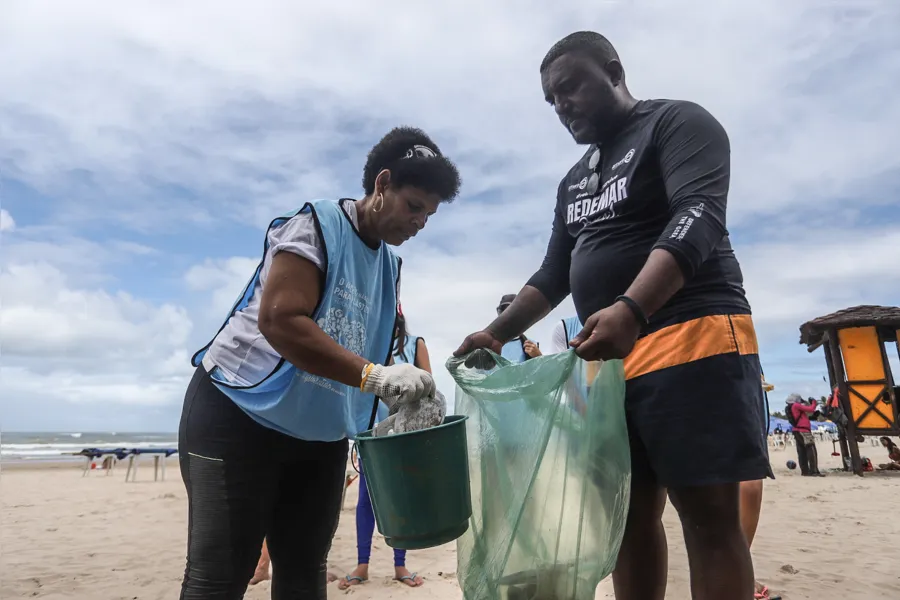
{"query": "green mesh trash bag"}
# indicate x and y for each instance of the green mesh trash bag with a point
(550, 473)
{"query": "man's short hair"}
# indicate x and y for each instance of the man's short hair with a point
(589, 43)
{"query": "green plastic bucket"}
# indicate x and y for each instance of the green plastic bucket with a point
(419, 484)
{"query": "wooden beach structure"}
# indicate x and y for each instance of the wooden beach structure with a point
(856, 342)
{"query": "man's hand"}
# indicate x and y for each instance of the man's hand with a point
(476, 341)
(480, 339)
(531, 349)
(607, 334)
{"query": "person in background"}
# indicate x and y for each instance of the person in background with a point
(893, 455)
(751, 507)
(751, 503)
(799, 443)
(519, 349)
(801, 410)
(407, 349)
(294, 372)
(565, 330)
(262, 568)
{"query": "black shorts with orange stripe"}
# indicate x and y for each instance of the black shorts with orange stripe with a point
(695, 405)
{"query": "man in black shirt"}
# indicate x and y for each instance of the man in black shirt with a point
(639, 240)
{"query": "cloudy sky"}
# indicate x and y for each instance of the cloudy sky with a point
(144, 148)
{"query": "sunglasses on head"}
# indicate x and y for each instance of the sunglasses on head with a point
(420, 152)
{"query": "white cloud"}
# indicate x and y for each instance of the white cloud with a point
(7, 223)
(43, 317)
(110, 389)
(191, 117)
(808, 274)
(791, 282)
(85, 260)
(225, 279)
(271, 104)
(72, 344)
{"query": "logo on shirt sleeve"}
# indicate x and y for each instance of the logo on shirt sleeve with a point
(685, 222)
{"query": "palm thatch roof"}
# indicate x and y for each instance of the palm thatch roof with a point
(812, 333)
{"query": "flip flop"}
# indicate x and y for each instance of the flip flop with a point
(763, 594)
(410, 577)
(348, 580)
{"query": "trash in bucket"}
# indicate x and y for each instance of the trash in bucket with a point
(419, 484)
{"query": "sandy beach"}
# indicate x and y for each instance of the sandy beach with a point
(65, 536)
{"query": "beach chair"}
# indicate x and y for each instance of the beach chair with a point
(778, 441)
(109, 458)
(157, 454)
(89, 455)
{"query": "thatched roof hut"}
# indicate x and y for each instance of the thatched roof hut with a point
(885, 318)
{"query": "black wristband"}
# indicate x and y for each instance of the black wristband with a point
(636, 309)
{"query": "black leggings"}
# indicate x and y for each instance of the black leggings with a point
(246, 482)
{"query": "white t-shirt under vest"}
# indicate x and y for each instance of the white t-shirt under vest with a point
(240, 351)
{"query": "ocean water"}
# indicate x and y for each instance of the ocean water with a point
(55, 446)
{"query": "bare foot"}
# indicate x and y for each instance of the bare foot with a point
(357, 576)
(261, 574)
(403, 575)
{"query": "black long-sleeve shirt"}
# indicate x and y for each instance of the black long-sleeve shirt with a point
(662, 182)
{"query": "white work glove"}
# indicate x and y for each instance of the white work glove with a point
(413, 416)
(398, 384)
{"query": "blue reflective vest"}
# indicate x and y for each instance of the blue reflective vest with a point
(573, 327)
(513, 351)
(358, 310)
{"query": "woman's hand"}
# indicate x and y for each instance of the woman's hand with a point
(398, 383)
(531, 349)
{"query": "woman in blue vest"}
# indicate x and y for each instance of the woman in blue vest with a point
(407, 350)
(295, 371)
